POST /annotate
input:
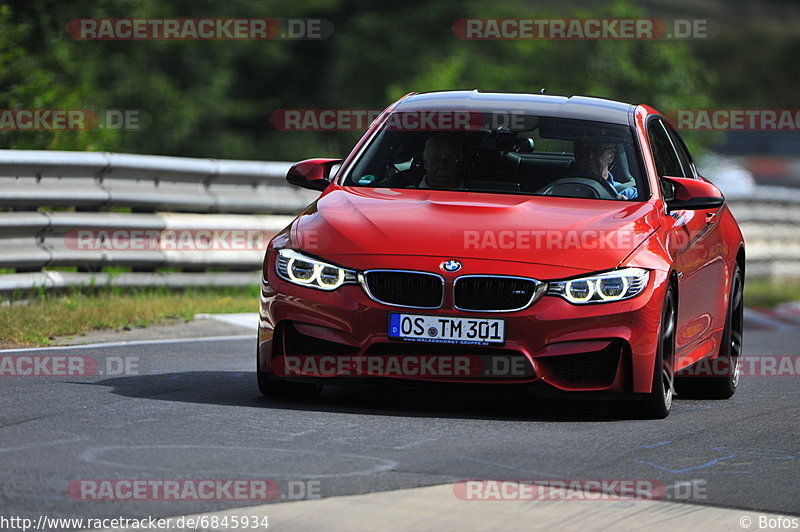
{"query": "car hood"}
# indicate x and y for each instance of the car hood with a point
(582, 234)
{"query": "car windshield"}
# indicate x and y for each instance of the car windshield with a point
(536, 156)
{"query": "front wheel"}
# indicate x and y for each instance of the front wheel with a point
(657, 403)
(271, 387)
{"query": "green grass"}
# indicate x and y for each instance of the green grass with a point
(768, 293)
(35, 321)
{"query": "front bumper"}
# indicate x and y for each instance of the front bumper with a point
(336, 336)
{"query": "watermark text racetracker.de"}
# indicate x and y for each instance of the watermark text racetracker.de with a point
(404, 366)
(583, 29)
(601, 489)
(548, 239)
(126, 29)
(745, 366)
(73, 119)
(361, 119)
(67, 365)
(189, 489)
(170, 239)
(735, 119)
(552, 239)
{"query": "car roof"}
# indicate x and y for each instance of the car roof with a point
(576, 107)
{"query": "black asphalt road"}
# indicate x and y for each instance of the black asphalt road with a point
(194, 411)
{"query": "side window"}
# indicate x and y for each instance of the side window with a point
(683, 154)
(667, 162)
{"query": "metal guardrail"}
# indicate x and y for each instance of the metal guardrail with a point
(89, 192)
(34, 240)
(84, 191)
(770, 222)
(93, 181)
(11, 283)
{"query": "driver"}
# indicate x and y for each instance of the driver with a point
(442, 160)
(594, 158)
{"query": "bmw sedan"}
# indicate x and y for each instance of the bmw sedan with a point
(566, 246)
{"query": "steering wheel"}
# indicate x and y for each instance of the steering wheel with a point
(595, 186)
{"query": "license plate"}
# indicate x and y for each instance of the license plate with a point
(447, 329)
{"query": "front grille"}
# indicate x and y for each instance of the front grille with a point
(494, 293)
(597, 368)
(405, 289)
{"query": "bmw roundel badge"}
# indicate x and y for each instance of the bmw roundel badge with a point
(451, 265)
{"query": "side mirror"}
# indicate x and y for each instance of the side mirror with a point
(693, 194)
(312, 173)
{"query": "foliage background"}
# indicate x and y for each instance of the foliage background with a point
(213, 98)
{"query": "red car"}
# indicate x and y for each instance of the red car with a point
(563, 245)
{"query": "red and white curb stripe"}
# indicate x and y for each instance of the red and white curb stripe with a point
(784, 316)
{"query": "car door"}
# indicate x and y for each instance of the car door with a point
(689, 245)
(714, 274)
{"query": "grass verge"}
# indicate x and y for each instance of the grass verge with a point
(36, 321)
(768, 293)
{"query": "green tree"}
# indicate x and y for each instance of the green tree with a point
(213, 98)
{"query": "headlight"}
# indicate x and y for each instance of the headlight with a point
(601, 288)
(313, 273)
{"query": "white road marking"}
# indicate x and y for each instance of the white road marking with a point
(248, 320)
(131, 343)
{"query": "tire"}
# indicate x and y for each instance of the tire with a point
(729, 359)
(657, 403)
(271, 387)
